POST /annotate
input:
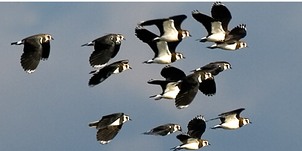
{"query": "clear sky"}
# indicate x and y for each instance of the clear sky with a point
(50, 109)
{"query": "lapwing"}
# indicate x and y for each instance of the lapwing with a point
(231, 46)
(169, 86)
(231, 120)
(208, 87)
(233, 40)
(189, 87)
(170, 28)
(36, 48)
(192, 140)
(109, 126)
(183, 88)
(164, 130)
(217, 25)
(102, 74)
(164, 52)
(215, 67)
(105, 48)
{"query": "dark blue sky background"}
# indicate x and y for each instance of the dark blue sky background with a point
(50, 109)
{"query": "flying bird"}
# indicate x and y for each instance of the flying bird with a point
(169, 86)
(231, 120)
(233, 40)
(36, 48)
(164, 130)
(180, 87)
(109, 126)
(208, 87)
(217, 28)
(164, 52)
(215, 67)
(170, 28)
(105, 48)
(190, 85)
(217, 25)
(102, 74)
(192, 140)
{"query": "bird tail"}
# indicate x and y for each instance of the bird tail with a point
(17, 43)
(204, 39)
(93, 124)
(148, 62)
(156, 97)
(88, 44)
(147, 133)
(176, 148)
(216, 126)
(212, 47)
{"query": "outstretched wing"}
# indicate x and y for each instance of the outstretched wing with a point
(172, 73)
(196, 127)
(221, 13)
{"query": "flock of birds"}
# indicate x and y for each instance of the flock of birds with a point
(176, 85)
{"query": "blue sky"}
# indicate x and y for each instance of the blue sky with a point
(51, 108)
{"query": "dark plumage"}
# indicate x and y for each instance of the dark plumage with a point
(232, 40)
(36, 48)
(170, 28)
(109, 126)
(169, 86)
(192, 140)
(189, 87)
(164, 129)
(217, 25)
(103, 73)
(105, 48)
(164, 52)
(182, 88)
(215, 67)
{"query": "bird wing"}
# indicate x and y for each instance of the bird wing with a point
(106, 134)
(172, 46)
(101, 55)
(147, 36)
(236, 33)
(158, 22)
(188, 90)
(161, 130)
(103, 73)
(205, 20)
(45, 50)
(108, 119)
(208, 87)
(183, 138)
(172, 73)
(196, 127)
(178, 19)
(234, 114)
(162, 83)
(32, 53)
(221, 13)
